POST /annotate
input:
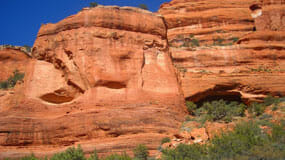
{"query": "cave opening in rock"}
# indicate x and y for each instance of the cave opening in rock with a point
(214, 97)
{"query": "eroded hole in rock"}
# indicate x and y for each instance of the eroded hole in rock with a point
(254, 7)
(112, 84)
(69, 54)
(256, 10)
(56, 99)
(219, 92)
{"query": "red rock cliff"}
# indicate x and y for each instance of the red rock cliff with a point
(231, 49)
(104, 77)
(101, 78)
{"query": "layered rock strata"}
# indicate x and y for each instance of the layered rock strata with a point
(102, 78)
(232, 49)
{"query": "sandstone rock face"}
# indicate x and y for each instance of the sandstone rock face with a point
(101, 78)
(104, 78)
(11, 60)
(232, 49)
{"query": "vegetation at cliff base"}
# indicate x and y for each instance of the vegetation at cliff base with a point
(255, 137)
(246, 142)
(218, 110)
(12, 80)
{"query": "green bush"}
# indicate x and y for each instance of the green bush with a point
(28, 48)
(191, 107)
(123, 156)
(31, 157)
(195, 42)
(238, 142)
(94, 156)
(165, 140)
(218, 41)
(269, 100)
(4, 85)
(257, 109)
(70, 154)
(143, 6)
(12, 80)
(246, 141)
(141, 152)
(234, 39)
(183, 151)
(223, 110)
(93, 4)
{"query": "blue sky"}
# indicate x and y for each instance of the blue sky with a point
(21, 19)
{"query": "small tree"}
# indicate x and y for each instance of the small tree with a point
(93, 4)
(70, 154)
(94, 156)
(143, 6)
(141, 152)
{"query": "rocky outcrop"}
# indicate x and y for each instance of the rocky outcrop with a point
(231, 49)
(12, 59)
(101, 78)
(105, 78)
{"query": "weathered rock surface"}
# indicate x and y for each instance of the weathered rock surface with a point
(101, 78)
(104, 77)
(11, 60)
(232, 49)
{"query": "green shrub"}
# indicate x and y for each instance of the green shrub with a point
(223, 110)
(269, 100)
(70, 154)
(195, 42)
(143, 6)
(165, 140)
(243, 138)
(123, 156)
(141, 152)
(234, 39)
(28, 48)
(31, 157)
(191, 107)
(278, 133)
(4, 85)
(192, 42)
(218, 41)
(93, 4)
(274, 108)
(12, 80)
(94, 156)
(246, 141)
(257, 109)
(183, 151)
